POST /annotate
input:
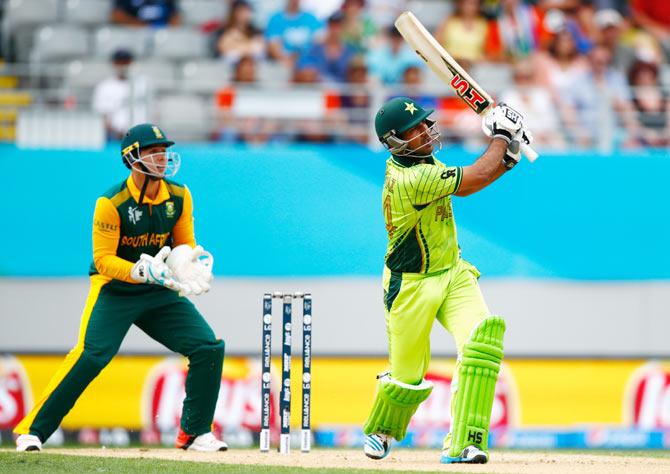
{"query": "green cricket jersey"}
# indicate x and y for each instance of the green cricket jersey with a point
(419, 219)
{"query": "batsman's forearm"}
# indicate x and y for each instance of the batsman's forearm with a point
(488, 167)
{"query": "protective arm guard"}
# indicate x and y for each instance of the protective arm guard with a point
(395, 404)
(476, 384)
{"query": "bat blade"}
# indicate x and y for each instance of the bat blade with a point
(447, 68)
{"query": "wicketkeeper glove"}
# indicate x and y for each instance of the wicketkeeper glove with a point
(502, 122)
(193, 269)
(154, 270)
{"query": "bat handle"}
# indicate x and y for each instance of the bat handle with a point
(530, 154)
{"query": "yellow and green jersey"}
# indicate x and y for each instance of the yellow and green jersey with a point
(123, 230)
(419, 219)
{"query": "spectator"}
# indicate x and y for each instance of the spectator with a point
(653, 16)
(516, 32)
(121, 103)
(355, 103)
(464, 32)
(651, 105)
(305, 73)
(536, 105)
(575, 17)
(559, 70)
(331, 56)
(610, 26)
(358, 27)
(291, 32)
(412, 81)
(239, 37)
(146, 12)
(603, 102)
(388, 61)
(562, 66)
(245, 71)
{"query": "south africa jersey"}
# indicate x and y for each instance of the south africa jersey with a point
(419, 219)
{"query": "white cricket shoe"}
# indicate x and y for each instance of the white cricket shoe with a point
(206, 443)
(376, 446)
(470, 455)
(28, 442)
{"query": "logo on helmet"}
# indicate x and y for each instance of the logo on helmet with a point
(410, 107)
(157, 132)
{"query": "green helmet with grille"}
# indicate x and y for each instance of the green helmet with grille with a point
(157, 165)
(141, 136)
(395, 117)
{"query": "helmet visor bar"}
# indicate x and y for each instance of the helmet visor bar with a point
(399, 147)
(164, 164)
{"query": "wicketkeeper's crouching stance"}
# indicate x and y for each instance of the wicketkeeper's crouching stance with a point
(426, 279)
(142, 216)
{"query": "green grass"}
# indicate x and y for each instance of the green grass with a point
(12, 462)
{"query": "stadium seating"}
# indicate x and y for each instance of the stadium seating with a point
(180, 44)
(198, 12)
(58, 42)
(110, 38)
(87, 12)
(204, 76)
(431, 14)
(272, 73)
(184, 116)
(161, 74)
(86, 74)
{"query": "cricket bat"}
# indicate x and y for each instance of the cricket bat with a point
(447, 69)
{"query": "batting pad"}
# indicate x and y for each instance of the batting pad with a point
(476, 384)
(395, 404)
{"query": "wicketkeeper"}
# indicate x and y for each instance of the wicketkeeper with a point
(425, 279)
(135, 280)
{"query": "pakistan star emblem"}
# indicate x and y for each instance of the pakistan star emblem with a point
(410, 107)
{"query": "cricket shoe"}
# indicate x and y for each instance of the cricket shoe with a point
(28, 442)
(376, 446)
(470, 455)
(206, 443)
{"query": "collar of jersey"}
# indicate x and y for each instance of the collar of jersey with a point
(408, 161)
(163, 192)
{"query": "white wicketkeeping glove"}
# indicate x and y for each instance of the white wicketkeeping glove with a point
(502, 122)
(154, 270)
(193, 268)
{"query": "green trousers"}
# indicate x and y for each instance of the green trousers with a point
(414, 301)
(111, 308)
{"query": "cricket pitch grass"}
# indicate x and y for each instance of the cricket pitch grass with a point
(334, 461)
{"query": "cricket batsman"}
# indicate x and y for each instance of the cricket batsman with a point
(425, 279)
(135, 280)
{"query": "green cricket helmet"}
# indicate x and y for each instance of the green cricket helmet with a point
(397, 116)
(143, 136)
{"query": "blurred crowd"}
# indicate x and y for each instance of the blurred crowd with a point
(584, 72)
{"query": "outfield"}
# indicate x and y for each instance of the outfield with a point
(324, 461)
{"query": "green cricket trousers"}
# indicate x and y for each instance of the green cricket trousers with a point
(111, 308)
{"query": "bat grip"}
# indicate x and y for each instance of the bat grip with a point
(530, 154)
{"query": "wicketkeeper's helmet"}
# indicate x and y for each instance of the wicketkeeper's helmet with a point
(397, 116)
(142, 136)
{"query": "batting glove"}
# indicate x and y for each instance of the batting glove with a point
(513, 153)
(502, 122)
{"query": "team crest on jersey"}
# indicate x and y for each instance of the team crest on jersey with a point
(134, 214)
(169, 209)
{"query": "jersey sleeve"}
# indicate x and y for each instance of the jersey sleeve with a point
(106, 233)
(430, 182)
(183, 232)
